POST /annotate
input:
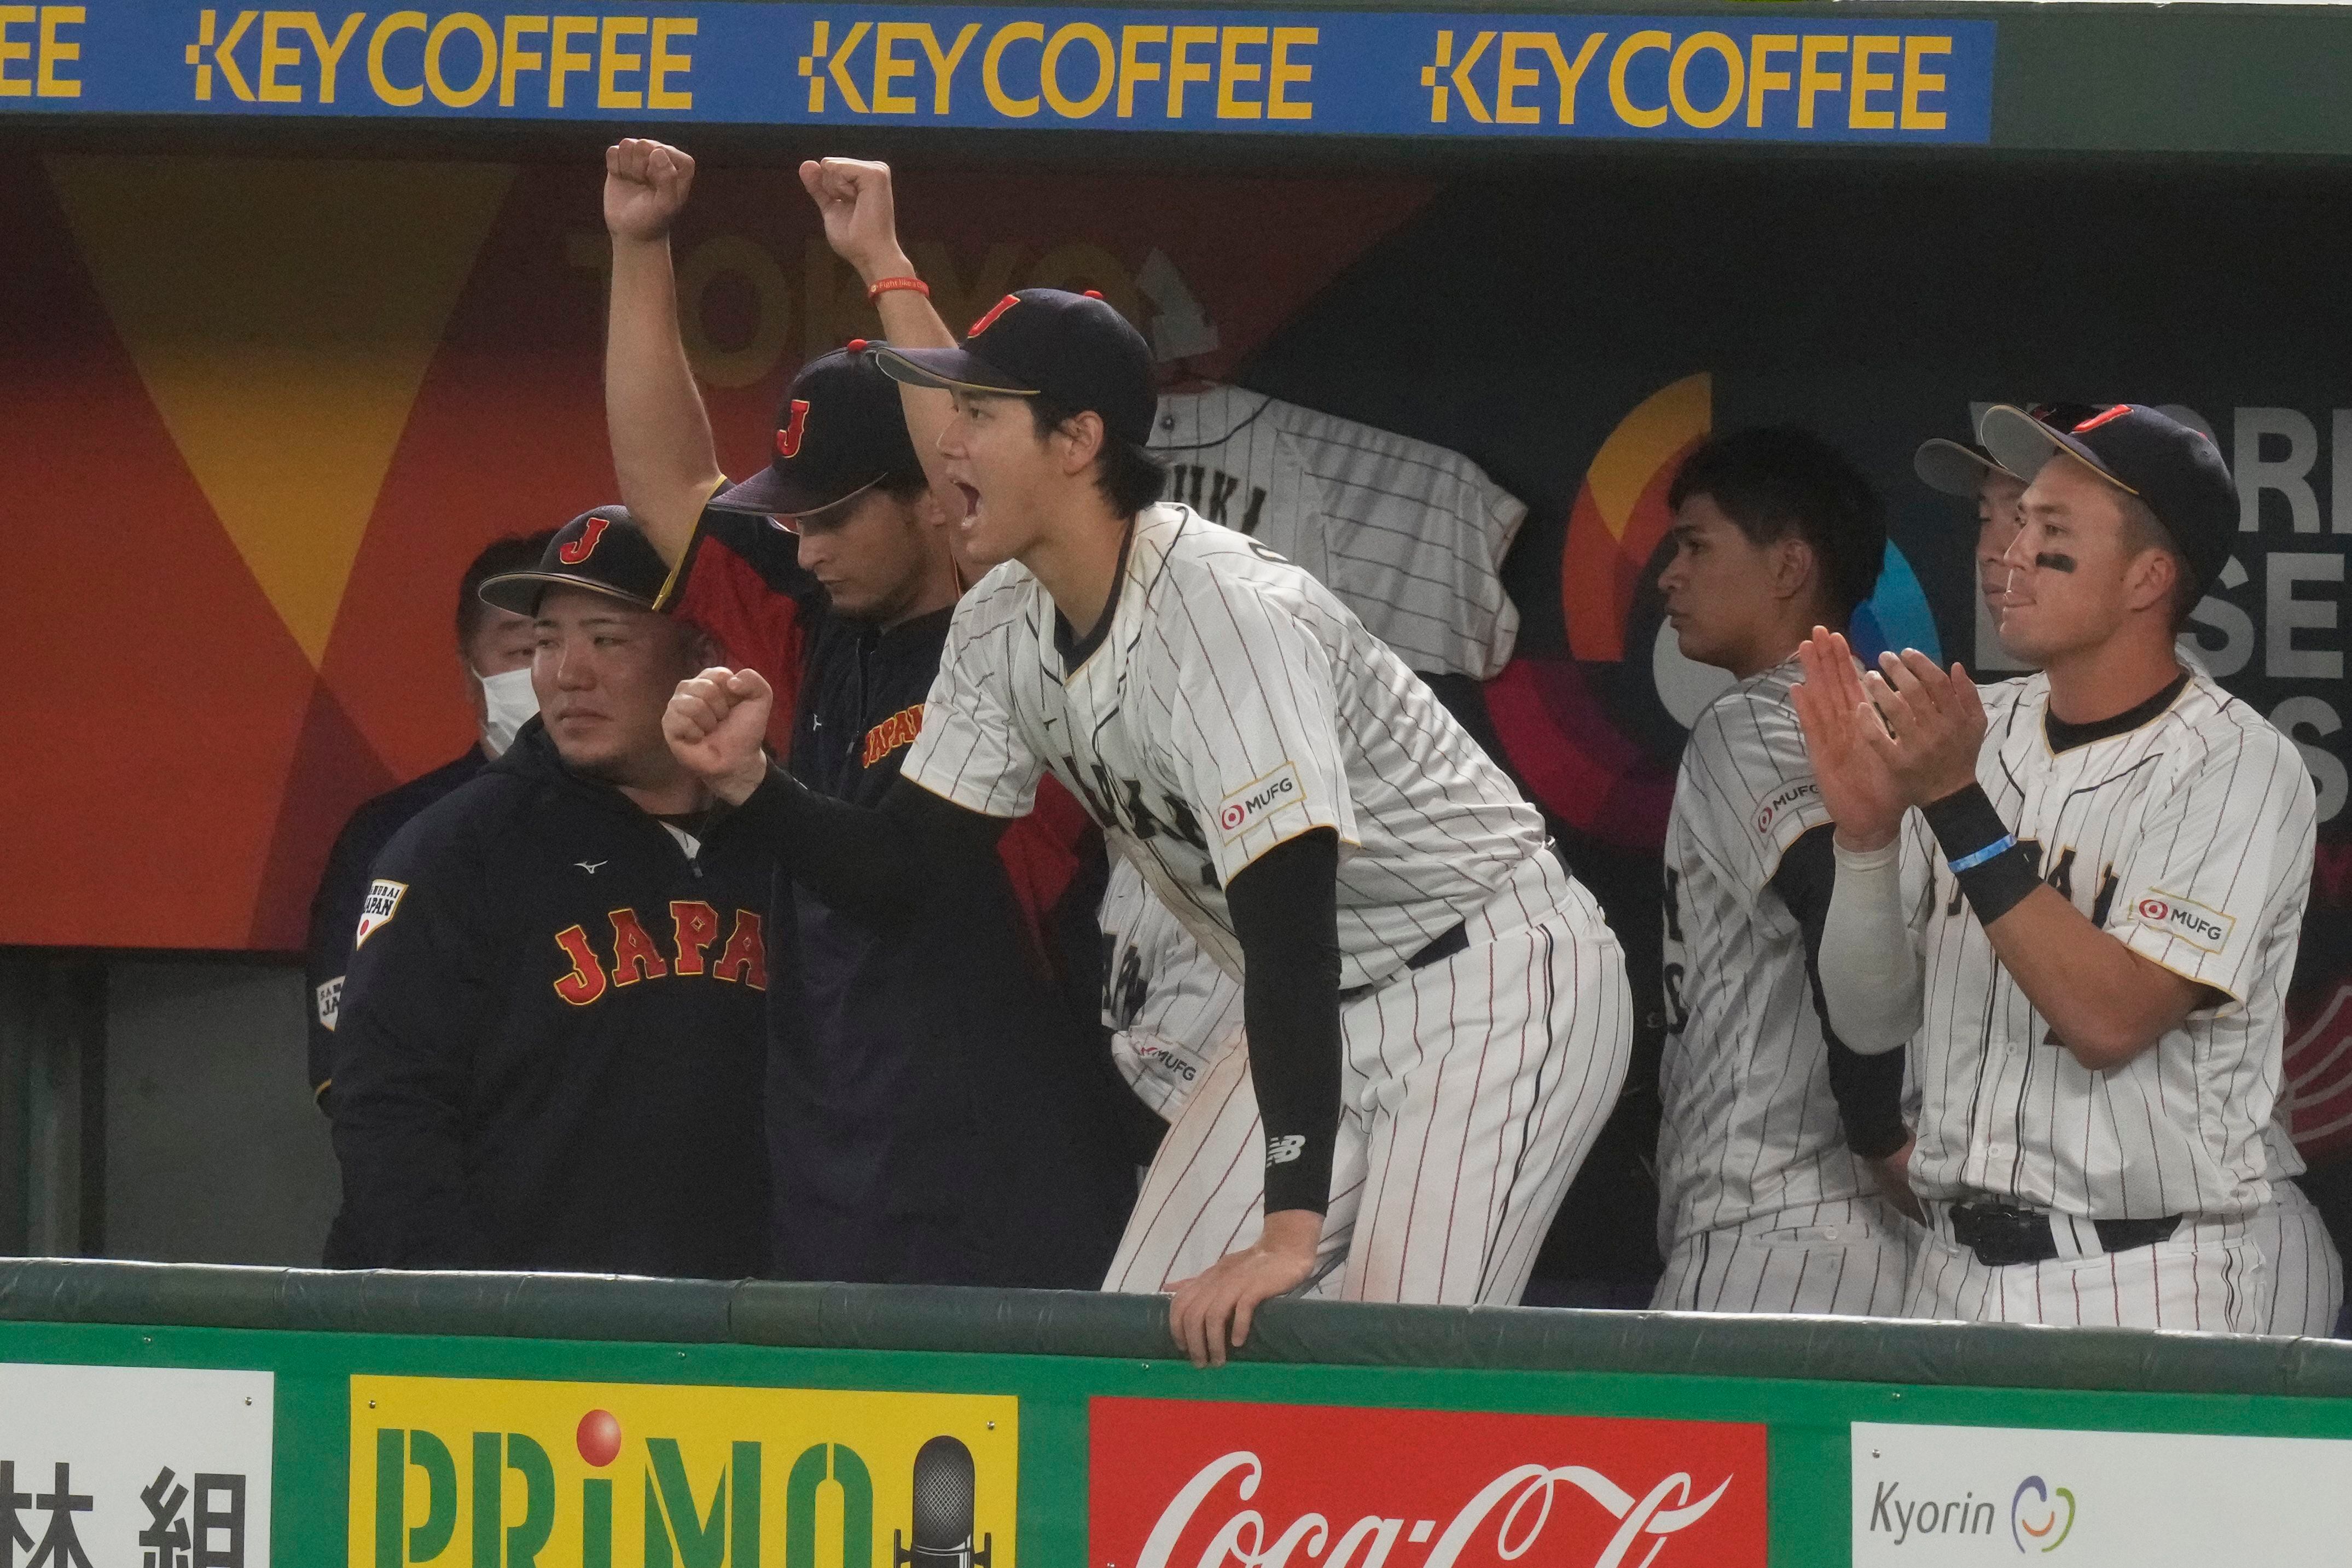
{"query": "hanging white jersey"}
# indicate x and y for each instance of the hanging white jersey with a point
(1228, 702)
(1171, 1010)
(1411, 536)
(1750, 1127)
(2189, 837)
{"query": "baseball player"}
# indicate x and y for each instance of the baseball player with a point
(494, 648)
(2307, 1270)
(1410, 537)
(551, 1044)
(940, 1120)
(1966, 471)
(1171, 1010)
(1779, 1169)
(1436, 1014)
(2083, 890)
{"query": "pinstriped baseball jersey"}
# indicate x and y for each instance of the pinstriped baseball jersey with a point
(1232, 703)
(2187, 836)
(1411, 536)
(1169, 1009)
(1750, 1127)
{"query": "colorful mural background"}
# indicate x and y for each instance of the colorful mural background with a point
(255, 415)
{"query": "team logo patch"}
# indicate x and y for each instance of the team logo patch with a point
(2191, 922)
(788, 440)
(580, 549)
(1782, 801)
(898, 730)
(382, 903)
(330, 1003)
(1254, 802)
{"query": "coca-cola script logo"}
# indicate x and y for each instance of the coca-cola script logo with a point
(1186, 1484)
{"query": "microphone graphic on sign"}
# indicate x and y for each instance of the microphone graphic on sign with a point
(943, 1504)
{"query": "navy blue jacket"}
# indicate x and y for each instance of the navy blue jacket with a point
(335, 907)
(552, 1037)
(947, 1116)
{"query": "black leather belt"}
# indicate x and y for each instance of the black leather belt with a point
(2003, 1234)
(1444, 947)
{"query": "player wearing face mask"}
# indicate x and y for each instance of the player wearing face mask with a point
(494, 652)
(508, 703)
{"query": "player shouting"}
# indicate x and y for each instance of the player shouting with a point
(2090, 917)
(1437, 1015)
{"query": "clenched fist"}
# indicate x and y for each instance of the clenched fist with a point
(861, 221)
(717, 724)
(646, 184)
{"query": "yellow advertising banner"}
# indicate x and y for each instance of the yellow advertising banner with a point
(494, 1474)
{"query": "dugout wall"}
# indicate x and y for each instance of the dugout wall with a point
(483, 1419)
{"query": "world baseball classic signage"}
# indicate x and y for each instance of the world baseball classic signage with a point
(1199, 1484)
(1677, 77)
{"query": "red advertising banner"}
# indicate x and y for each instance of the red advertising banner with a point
(1202, 1484)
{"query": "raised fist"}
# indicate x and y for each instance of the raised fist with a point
(646, 184)
(860, 221)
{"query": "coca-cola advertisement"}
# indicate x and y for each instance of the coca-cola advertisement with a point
(1202, 1484)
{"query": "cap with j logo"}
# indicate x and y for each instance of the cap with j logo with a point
(841, 431)
(1071, 348)
(603, 551)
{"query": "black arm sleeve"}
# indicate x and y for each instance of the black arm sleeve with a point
(876, 864)
(1869, 1089)
(1285, 906)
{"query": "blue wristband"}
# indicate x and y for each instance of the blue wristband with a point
(1999, 846)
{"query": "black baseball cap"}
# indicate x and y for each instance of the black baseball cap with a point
(2176, 469)
(1072, 349)
(603, 551)
(841, 430)
(1958, 467)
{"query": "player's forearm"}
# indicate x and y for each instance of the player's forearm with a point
(1868, 1088)
(1285, 918)
(2104, 1002)
(881, 864)
(909, 321)
(1872, 981)
(662, 450)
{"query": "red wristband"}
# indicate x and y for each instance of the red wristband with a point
(881, 285)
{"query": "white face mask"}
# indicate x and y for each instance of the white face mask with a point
(507, 702)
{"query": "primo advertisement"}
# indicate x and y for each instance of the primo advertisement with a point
(483, 1474)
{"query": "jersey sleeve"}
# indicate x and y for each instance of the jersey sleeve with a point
(1753, 791)
(2222, 858)
(1253, 723)
(327, 955)
(970, 750)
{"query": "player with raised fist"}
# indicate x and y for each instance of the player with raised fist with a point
(1436, 1016)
